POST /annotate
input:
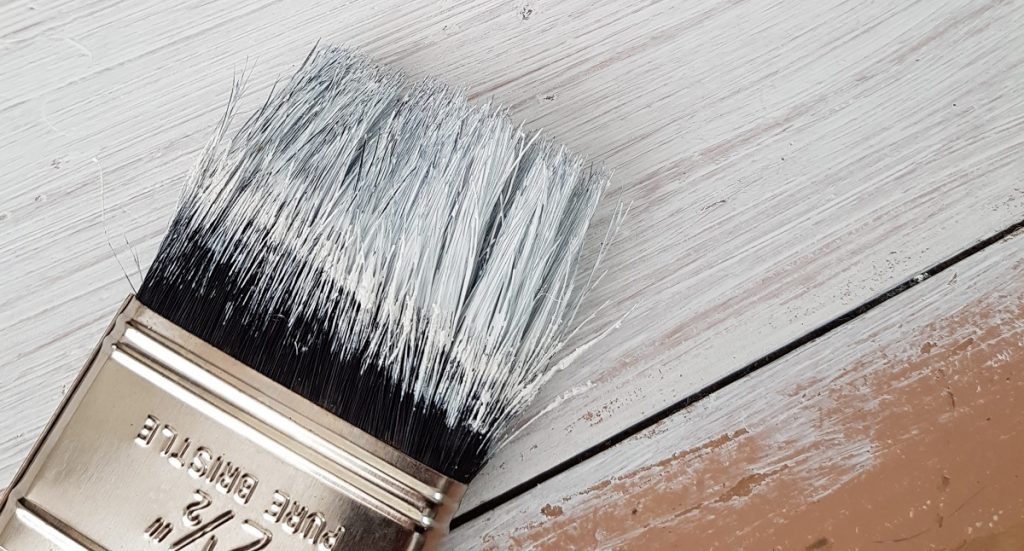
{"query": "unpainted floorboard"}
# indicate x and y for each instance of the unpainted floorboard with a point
(902, 427)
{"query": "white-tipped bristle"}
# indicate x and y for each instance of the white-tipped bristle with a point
(414, 254)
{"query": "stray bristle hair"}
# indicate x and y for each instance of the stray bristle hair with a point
(390, 252)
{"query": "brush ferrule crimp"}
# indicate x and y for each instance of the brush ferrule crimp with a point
(167, 443)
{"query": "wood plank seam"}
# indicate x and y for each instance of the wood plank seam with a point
(734, 377)
(900, 428)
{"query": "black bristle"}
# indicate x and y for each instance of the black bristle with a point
(353, 388)
(394, 255)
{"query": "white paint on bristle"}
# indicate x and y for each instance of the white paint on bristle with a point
(390, 194)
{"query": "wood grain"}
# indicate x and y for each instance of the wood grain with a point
(901, 427)
(783, 162)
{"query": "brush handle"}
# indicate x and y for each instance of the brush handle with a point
(166, 443)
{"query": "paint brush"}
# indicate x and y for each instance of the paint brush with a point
(362, 287)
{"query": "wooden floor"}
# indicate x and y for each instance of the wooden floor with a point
(821, 292)
(903, 425)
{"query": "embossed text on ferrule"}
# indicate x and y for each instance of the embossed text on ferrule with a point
(230, 479)
(295, 518)
(215, 470)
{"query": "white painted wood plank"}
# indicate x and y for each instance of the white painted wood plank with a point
(900, 427)
(784, 162)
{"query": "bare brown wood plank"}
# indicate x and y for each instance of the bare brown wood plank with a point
(902, 427)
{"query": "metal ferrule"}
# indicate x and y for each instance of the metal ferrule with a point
(166, 443)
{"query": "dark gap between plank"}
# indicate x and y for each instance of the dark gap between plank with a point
(757, 364)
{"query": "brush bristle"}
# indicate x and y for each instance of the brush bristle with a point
(390, 252)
